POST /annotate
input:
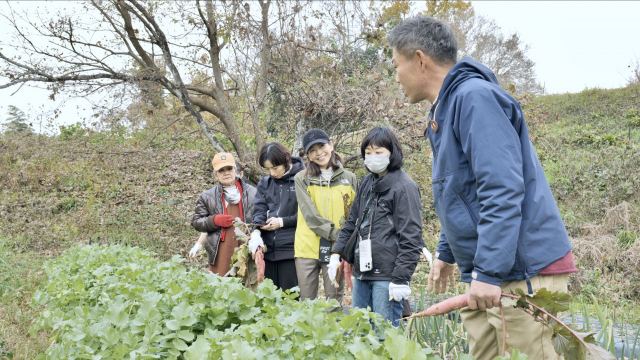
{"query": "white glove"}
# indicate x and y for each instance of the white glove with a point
(399, 292)
(194, 250)
(255, 241)
(427, 255)
(332, 268)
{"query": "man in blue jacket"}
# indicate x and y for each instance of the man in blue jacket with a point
(499, 221)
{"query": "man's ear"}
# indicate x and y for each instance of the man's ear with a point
(426, 63)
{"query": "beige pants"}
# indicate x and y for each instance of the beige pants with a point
(532, 338)
(308, 271)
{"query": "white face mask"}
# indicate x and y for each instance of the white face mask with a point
(231, 194)
(376, 163)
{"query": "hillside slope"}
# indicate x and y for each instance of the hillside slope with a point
(103, 188)
(589, 145)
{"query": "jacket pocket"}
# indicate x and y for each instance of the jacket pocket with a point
(454, 210)
(385, 252)
(467, 206)
(458, 220)
(384, 214)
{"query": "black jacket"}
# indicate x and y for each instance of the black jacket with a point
(277, 198)
(393, 203)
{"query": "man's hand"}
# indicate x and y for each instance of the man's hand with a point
(273, 223)
(483, 296)
(440, 276)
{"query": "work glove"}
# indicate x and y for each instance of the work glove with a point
(427, 255)
(399, 292)
(223, 221)
(332, 268)
(194, 250)
(255, 241)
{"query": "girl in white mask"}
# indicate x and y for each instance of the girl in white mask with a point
(376, 159)
(387, 222)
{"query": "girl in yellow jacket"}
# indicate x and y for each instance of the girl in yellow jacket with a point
(325, 191)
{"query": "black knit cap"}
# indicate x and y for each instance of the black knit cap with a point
(312, 137)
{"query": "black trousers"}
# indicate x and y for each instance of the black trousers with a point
(282, 273)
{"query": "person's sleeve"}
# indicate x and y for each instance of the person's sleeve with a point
(249, 206)
(290, 221)
(318, 224)
(492, 147)
(349, 225)
(202, 219)
(355, 183)
(407, 217)
(260, 206)
(443, 251)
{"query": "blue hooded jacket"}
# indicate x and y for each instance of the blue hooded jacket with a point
(498, 217)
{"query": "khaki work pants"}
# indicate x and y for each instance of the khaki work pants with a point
(484, 328)
(308, 271)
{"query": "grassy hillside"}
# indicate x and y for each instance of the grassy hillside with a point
(83, 188)
(589, 144)
(107, 188)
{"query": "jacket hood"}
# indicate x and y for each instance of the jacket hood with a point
(296, 166)
(467, 68)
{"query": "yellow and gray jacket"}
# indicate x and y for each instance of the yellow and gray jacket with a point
(322, 208)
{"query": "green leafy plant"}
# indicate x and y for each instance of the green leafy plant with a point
(115, 302)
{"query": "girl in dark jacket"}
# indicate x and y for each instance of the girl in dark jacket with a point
(386, 215)
(276, 207)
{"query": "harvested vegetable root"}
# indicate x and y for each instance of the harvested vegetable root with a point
(346, 271)
(444, 307)
(259, 261)
(251, 270)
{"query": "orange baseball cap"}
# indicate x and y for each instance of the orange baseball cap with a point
(221, 160)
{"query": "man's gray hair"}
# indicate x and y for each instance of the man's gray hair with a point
(425, 33)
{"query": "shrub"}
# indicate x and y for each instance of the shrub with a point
(72, 131)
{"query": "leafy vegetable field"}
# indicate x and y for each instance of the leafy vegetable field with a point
(116, 302)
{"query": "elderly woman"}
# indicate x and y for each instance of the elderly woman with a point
(215, 211)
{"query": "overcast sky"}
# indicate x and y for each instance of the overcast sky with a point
(574, 44)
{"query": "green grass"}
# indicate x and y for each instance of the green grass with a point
(589, 146)
(20, 274)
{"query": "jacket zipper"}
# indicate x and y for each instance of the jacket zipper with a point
(275, 232)
(429, 131)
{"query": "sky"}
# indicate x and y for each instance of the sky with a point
(574, 44)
